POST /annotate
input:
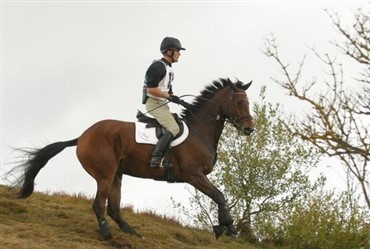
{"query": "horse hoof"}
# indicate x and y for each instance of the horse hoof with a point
(231, 232)
(125, 227)
(232, 236)
(219, 230)
(137, 234)
(141, 237)
(107, 236)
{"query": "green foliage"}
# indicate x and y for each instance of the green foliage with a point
(321, 221)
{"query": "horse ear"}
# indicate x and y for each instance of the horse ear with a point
(232, 84)
(246, 86)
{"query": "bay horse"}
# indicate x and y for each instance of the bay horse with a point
(107, 150)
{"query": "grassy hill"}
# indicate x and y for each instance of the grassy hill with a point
(67, 222)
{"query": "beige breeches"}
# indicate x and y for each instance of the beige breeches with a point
(162, 114)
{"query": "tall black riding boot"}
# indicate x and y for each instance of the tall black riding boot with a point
(160, 149)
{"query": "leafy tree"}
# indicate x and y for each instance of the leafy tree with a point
(263, 173)
(339, 121)
(321, 221)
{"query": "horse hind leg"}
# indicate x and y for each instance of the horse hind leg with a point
(114, 201)
(99, 204)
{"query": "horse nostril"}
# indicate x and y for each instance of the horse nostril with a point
(248, 131)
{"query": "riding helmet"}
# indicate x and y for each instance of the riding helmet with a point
(170, 43)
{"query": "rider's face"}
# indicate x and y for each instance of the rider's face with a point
(176, 55)
(172, 55)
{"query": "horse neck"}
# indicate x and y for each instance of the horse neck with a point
(208, 124)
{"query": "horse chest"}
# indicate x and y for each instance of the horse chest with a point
(208, 169)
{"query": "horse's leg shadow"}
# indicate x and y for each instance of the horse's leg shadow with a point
(114, 200)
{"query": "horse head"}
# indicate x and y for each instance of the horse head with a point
(235, 108)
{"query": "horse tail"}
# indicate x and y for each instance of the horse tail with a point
(36, 160)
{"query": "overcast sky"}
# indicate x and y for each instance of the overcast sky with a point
(68, 64)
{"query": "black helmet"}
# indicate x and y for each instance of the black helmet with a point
(170, 43)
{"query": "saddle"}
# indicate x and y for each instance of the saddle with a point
(159, 132)
(159, 129)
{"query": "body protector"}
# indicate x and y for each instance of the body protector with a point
(164, 84)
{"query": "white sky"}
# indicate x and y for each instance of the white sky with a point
(68, 64)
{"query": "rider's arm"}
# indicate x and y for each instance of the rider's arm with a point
(156, 91)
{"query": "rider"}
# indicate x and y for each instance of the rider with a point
(157, 90)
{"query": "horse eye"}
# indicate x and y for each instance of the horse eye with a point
(240, 103)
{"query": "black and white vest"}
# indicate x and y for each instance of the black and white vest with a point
(165, 83)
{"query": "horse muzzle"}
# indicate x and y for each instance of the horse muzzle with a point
(247, 131)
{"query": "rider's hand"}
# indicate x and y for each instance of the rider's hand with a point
(175, 99)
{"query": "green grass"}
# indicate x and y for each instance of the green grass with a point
(61, 221)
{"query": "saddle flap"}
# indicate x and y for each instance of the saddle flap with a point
(144, 135)
(152, 122)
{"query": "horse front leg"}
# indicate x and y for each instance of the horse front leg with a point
(203, 184)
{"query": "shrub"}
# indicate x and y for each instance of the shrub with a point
(321, 221)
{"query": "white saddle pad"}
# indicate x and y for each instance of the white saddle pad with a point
(145, 135)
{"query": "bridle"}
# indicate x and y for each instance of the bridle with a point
(234, 120)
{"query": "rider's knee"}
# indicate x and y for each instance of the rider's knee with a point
(174, 130)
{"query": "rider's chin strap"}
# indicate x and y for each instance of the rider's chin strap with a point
(172, 56)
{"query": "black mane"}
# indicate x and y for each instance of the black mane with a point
(206, 94)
